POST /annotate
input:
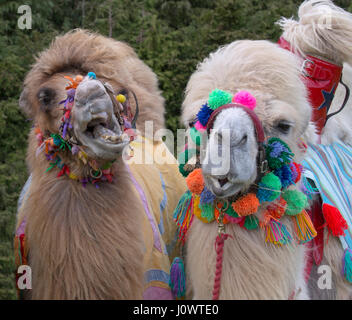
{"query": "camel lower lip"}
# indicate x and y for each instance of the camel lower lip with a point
(228, 189)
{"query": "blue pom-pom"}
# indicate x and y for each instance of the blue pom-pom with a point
(91, 75)
(206, 197)
(264, 195)
(285, 175)
(204, 114)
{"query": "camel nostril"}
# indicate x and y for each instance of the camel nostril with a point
(243, 140)
(222, 182)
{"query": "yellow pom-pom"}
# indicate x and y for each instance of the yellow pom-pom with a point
(121, 98)
(198, 211)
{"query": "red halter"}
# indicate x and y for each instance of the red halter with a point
(321, 79)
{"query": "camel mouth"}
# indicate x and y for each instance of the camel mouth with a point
(103, 129)
(102, 136)
(223, 188)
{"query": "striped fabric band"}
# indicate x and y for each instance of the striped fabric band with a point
(157, 240)
(330, 167)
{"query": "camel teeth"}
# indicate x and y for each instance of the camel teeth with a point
(111, 138)
(114, 138)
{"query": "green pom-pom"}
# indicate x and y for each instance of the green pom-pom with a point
(196, 136)
(296, 201)
(269, 188)
(218, 98)
(231, 212)
(207, 211)
(251, 222)
(277, 153)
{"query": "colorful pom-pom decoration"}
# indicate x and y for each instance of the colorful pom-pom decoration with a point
(121, 98)
(251, 222)
(218, 98)
(204, 114)
(285, 175)
(334, 220)
(269, 188)
(195, 181)
(246, 205)
(200, 127)
(278, 153)
(277, 208)
(197, 211)
(91, 75)
(246, 99)
(296, 170)
(296, 201)
(207, 197)
(232, 213)
(207, 212)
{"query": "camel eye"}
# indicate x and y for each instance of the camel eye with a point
(284, 126)
(46, 97)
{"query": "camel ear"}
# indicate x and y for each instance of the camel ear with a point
(25, 105)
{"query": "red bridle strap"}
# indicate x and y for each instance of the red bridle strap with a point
(321, 79)
(257, 123)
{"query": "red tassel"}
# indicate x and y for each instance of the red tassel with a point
(336, 223)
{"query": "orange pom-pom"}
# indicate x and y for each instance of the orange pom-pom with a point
(79, 78)
(246, 205)
(277, 209)
(195, 181)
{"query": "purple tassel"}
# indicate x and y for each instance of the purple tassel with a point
(177, 281)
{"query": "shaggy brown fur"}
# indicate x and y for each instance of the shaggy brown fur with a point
(85, 243)
(81, 247)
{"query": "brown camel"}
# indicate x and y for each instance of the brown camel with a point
(97, 227)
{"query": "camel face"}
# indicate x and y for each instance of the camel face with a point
(230, 158)
(233, 139)
(95, 124)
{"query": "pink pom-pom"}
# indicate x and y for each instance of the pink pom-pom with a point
(246, 99)
(199, 126)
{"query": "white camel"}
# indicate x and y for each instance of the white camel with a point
(251, 267)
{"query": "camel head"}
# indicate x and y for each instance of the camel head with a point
(88, 89)
(274, 105)
(323, 29)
